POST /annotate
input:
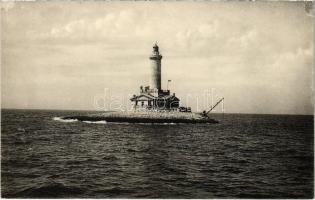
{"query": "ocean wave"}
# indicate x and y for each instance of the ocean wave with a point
(114, 191)
(49, 190)
(64, 120)
(95, 122)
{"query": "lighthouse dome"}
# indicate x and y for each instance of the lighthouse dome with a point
(155, 48)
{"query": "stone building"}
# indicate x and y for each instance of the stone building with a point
(153, 97)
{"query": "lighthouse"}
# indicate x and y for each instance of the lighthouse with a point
(153, 97)
(156, 57)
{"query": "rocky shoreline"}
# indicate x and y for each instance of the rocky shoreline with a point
(144, 117)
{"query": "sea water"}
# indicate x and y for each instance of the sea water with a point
(243, 156)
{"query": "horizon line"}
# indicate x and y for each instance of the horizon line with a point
(47, 109)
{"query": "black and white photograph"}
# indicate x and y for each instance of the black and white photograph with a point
(157, 99)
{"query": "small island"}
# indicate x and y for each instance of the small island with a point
(152, 104)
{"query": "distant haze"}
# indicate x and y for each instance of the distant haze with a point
(61, 55)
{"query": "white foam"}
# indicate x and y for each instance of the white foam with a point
(171, 123)
(95, 122)
(64, 120)
(105, 122)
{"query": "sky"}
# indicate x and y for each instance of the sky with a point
(81, 55)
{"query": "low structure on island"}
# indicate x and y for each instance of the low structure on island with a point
(153, 104)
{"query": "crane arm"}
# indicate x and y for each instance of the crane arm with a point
(214, 106)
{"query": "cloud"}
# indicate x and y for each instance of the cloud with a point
(7, 5)
(262, 51)
(309, 8)
(114, 24)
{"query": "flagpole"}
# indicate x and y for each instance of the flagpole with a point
(167, 84)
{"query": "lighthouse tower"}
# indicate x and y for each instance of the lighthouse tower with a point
(152, 97)
(156, 57)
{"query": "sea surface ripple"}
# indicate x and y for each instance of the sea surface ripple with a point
(244, 156)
